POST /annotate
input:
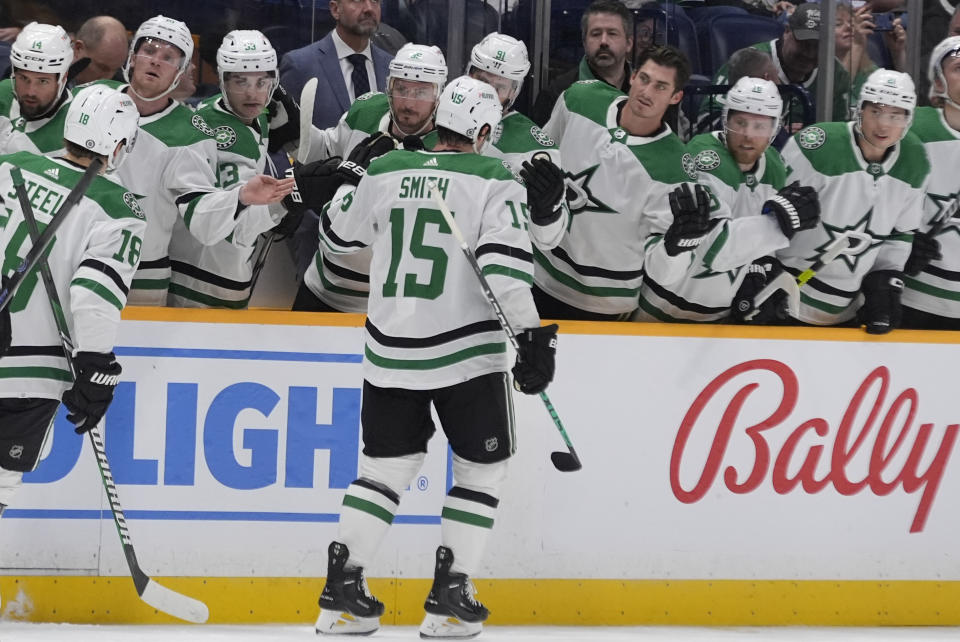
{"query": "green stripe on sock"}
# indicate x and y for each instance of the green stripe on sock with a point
(467, 518)
(368, 507)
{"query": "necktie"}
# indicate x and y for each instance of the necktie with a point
(361, 84)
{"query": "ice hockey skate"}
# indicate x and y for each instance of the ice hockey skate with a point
(452, 611)
(346, 605)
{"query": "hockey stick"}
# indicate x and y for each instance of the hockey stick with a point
(307, 97)
(562, 461)
(42, 243)
(843, 244)
(154, 594)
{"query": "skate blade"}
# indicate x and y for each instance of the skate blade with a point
(342, 623)
(449, 628)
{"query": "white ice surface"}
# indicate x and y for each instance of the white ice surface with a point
(15, 632)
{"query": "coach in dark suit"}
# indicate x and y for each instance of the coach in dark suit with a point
(344, 61)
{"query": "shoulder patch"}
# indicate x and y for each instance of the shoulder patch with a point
(199, 123)
(368, 95)
(506, 166)
(812, 137)
(707, 160)
(541, 137)
(225, 136)
(689, 166)
(134, 204)
(589, 81)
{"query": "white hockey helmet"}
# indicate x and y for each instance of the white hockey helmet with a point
(888, 87)
(45, 49)
(423, 63)
(98, 118)
(466, 105)
(504, 56)
(754, 96)
(243, 51)
(168, 30)
(949, 47)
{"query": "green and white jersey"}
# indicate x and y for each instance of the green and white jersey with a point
(40, 136)
(620, 209)
(342, 281)
(219, 275)
(740, 236)
(937, 288)
(173, 169)
(876, 205)
(429, 324)
(515, 140)
(92, 260)
(841, 86)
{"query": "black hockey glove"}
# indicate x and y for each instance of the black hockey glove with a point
(796, 208)
(284, 117)
(925, 249)
(545, 189)
(758, 275)
(881, 311)
(97, 375)
(5, 325)
(412, 143)
(316, 184)
(374, 145)
(691, 219)
(535, 359)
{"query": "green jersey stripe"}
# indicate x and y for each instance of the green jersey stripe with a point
(513, 273)
(466, 518)
(573, 284)
(36, 372)
(368, 507)
(435, 362)
(100, 290)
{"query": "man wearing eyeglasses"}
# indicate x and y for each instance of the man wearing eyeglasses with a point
(871, 175)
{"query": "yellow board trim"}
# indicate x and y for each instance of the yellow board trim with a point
(263, 316)
(262, 600)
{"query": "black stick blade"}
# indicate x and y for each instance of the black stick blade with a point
(565, 462)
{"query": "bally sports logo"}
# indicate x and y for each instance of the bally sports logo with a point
(900, 455)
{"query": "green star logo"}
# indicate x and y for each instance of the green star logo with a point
(583, 198)
(862, 240)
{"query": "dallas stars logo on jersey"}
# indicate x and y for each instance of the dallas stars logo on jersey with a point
(584, 199)
(861, 240)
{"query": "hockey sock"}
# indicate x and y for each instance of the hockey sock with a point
(371, 502)
(10, 482)
(469, 511)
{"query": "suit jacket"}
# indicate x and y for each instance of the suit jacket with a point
(319, 59)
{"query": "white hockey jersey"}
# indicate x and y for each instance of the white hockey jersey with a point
(622, 184)
(92, 260)
(937, 288)
(429, 324)
(343, 281)
(40, 136)
(739, 236)
(219, 275)
(876, 205)
(172, 169)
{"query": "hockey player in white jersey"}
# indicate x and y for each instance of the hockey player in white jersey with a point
(33, 100)
(932, 281)
(92, 262)
(871, 176)
(746, 177)
(416, 76)
(173, 166)
(220, 275)
(432, 337)
(622, 163)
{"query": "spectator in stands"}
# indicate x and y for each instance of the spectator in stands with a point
(607, 28)
(795, 56)
(346, 63)
(102, 39)
(853, 27)
(745, 63)
(936, 13)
